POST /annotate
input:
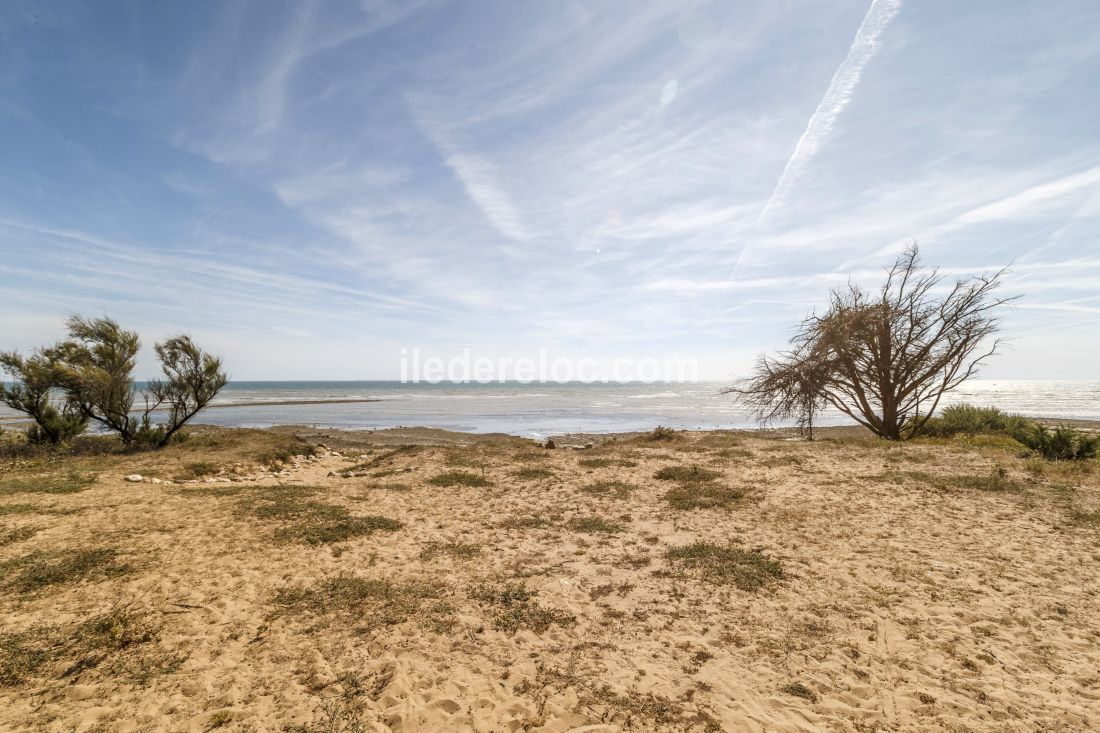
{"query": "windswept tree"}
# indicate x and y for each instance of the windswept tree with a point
(32, 392)
(884, 358)
(95, 367)
(191, 379)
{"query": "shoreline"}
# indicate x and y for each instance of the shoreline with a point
(850, 429)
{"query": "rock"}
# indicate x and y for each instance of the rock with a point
(155, 481)
(334, 454)
(134, 478)
(332, 474)
(550, 444)
(588, 445)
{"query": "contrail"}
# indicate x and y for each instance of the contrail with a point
(836, 98)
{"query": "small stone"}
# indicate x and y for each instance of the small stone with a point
(550, 444)
(155, 481)
(134, 478)
(332, 474)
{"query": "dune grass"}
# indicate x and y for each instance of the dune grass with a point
(748, 570)
(42, 569)
(459, 478)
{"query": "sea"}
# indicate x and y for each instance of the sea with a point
(538, 410)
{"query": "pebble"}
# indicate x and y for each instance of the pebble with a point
(134, 478)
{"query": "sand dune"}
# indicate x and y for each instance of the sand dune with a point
(840, 585)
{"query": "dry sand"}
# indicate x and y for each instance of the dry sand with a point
(865, 586)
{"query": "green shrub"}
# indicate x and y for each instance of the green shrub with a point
(973, 420)
(1060, 444)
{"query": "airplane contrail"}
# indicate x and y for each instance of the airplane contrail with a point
(836, 98)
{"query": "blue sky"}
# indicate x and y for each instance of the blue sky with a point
(310, 187)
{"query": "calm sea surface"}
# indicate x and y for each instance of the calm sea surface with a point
(544, 409)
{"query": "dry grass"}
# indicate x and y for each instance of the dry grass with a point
(58, 483)
(697, 495)
(687, 474)
(514, 608)
(306, 520)
(459, 478)
(372, 602)
(727, 564)
(91, 644)
(44, 568)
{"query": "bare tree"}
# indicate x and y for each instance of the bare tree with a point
(885, 358)
(789, 386)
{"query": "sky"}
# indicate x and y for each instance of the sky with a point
(309, 187)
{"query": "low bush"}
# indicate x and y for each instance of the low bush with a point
(1059, 444)
(967, 419)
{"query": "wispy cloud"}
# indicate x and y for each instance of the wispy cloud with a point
(526, 173)
(837, 97)
(481, 182)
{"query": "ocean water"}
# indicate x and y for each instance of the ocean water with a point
(538, 410)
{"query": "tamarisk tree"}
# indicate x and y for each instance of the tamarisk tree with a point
(95, 366)
(32, 392)
(884, 358)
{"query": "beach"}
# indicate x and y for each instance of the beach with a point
(303, 579)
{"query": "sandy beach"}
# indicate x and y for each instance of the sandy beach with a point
(420, 581)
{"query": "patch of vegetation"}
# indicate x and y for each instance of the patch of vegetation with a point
(609, 489)
(41, 569)
(309, 521)
(68, 483)
(702, 496)
(533, 474)
(11, 536)
(219, 719)
(515, 608)
(662, 434)
(650, 711)
(91, 644)
(686, 474)
(595, 525)
(973, 420)
(1060, 444)
(18, 509)
(606, 462)
(525, 522)
(727, 564)
(800, 690)
(457, 550)
(328, 531)
(373, 601)
(775, 461)
(459, 478)
(385, 457)
(1085, 518)
(197, 470)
